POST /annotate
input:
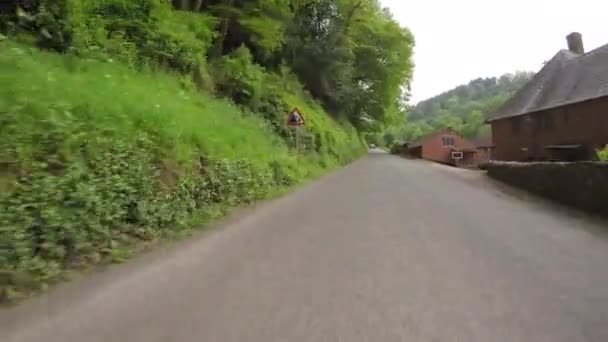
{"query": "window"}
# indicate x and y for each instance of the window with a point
(447, 141)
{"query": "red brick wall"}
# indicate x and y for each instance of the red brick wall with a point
(582, 123)
(433, 149)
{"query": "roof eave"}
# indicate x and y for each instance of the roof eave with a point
(542, 109)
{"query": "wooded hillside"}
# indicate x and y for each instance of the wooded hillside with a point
(483, 94)
(350, 54)
(463, 108)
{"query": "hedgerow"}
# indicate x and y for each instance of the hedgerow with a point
(96, 157)
(117, 140)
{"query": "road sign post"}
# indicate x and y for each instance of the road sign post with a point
(296, 120)
(297, 139)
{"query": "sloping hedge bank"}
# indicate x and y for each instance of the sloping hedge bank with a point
(96, 157)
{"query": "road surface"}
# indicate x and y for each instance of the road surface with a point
(384, 250)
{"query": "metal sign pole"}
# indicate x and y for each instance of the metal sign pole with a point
(298, 139)
(295, 120)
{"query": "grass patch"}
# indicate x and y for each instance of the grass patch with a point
(96, 158)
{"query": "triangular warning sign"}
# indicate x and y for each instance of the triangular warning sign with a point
(295, 118)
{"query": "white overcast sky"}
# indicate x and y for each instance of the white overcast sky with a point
(457, 41)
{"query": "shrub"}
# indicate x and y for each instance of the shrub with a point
(95, 157)
(602, 154)
(46, 19)
(398, 148)
(161, 35)
(142, 31)
(237, 77)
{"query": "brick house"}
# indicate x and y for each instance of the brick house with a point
(446, 147)
(561, 114)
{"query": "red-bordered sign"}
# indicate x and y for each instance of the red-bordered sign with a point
(295, 118)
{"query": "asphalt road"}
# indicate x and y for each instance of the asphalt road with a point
(384, 250)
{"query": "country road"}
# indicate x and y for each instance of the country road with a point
(385, 250)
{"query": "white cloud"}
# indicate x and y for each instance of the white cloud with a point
(457, 41)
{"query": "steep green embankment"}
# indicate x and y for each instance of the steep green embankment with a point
(127, 121)
(94, 156)
(464, 109)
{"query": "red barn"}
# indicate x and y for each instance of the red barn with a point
(561, 114)
(446, 147)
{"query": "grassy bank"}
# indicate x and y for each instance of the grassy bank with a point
(96, 157)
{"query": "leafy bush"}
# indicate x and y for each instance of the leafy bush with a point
(238, 78)
(47, 19)
(602, 154)
(138, 31)
(398, 148)
(273, 95)
(95, 157)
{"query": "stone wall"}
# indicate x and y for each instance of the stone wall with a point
(580, 184)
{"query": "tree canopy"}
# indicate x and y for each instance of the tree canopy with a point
(482, 94)
(464, 108)
(350, 54)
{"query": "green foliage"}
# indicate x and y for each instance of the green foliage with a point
(389, 138)
(397, 148)
(47, 19)
(352, 56)
(101, 148)
(239, 78)
(136, 32)
(96, 157)
(156, 34)
(272, 96)
(349, 54)
(464, 108)
(602, 154)
(248, 84)
(257, 24)
(484, 95)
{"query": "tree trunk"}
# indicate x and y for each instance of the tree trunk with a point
(225, 24)
(224, 32)
(182, 5)
(198, 4)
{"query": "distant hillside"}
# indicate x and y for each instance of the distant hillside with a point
(484, 94)
(463, 108)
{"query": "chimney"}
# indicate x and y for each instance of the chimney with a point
(575, 43)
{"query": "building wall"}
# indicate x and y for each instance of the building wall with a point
(469, 159)
(484, 154)
(582, 123)
(433, 149)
